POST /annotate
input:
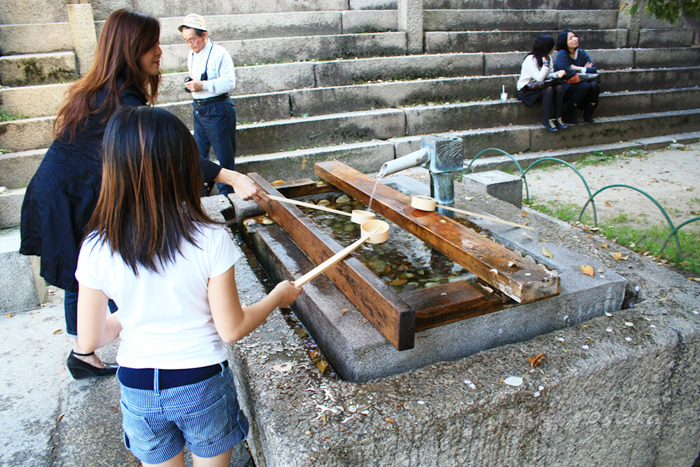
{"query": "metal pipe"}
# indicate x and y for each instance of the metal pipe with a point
(413, 159)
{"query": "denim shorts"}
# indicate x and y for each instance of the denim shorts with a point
(205, 415)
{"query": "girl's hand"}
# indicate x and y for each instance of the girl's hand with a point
(561, 73)
(286, 293)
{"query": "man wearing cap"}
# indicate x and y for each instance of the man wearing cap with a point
(211, 78)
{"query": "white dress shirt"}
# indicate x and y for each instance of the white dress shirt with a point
(221, 76)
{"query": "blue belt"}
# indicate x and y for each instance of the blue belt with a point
(142, 378)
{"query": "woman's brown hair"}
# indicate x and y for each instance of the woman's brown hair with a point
(125, 37)
(150, 197)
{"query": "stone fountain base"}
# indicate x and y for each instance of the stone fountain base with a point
(358, 352)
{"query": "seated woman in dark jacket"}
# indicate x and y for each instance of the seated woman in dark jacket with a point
(582, 95)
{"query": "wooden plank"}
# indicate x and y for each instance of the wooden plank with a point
(389, 313)
(448, 303)
(303, 187)
(521, 279)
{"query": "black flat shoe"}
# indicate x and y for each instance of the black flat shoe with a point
(81, 370)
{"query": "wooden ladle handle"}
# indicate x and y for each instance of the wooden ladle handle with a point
(308, 205)
(329, 262)
(374, 231)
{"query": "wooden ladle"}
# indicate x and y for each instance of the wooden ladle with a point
(426, 203)
(372, 231)
(357, 216)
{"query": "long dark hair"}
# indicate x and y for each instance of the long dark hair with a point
(125, 37)
(563, 40)
(150, 197)
(541, 48)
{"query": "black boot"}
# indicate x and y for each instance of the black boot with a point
(567, 114)
(80, 369)
(588, 113)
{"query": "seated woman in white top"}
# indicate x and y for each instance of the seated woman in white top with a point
(537, 67)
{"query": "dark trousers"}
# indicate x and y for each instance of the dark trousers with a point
(583, 95)
(70, 309)
(215, 127)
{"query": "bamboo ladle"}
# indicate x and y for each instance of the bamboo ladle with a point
(372, 231)
(426, 203)
(357, 216)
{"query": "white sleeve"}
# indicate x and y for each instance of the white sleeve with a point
(223, 252)
(225, 80)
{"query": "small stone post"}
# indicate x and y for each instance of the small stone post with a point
(410, 14)
(82, 29)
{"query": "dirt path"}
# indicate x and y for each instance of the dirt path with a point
(671, 176)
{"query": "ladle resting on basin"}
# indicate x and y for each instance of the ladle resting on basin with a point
(426, 203)
(357, 216)
(372, 231)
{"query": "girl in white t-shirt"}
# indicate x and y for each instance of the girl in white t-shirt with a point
(170, 270)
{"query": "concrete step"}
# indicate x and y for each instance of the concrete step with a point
(287, 24)
(298, 48)
(17, 39)
(362, 124)
(506, 41)
(23, 288)
(42, 68)
(10, 208)
(368, 156)
(348, 127)
(45, 100)
(170, 8)
(520, 4)
(511, 19)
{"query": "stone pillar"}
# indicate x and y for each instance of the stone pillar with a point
(410, 14)
(630, 22)
(82, 29)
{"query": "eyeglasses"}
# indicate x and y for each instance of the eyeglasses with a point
(193, 40)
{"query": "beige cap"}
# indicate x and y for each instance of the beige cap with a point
(193, 21)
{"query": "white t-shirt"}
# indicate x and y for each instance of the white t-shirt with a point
(165, 317)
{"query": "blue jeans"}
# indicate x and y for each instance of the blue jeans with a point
(70, 309)
(157, 423)
(215, 127)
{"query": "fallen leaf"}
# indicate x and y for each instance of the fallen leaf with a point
(9, 315)
(588, 270)
(58, 331)
(525, 214)
(604, 245)
(607, 203)
(494, 271)
(277, 182)
(511, 264)
(534, 361)
(617, 256)
(398, 282)
(547, 253)
(389, 420)
(60, 417)
(513, 381)
(322, 365)
(303, 163)
(601, 269)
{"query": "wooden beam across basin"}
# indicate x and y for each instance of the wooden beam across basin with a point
(384, 309)
(521, 279)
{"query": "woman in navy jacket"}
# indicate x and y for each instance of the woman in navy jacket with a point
(583, 95)
(63, 192)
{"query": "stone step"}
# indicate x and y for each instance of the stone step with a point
(506, 41)
(367, 156)
(10, 208)
(22, 287)
(45, 100)
(17, 39)
(520, 4)
(41, 68)
(36, 133)
(607, 132)
(348, 127)
(511, 19)
(297, 48)
(288, 24)
(170, 8)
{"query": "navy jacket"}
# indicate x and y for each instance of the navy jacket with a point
(62, 196)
